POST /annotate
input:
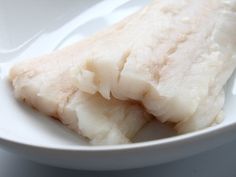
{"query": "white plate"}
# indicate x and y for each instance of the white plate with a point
(25, 32)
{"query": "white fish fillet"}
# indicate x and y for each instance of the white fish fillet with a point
(47, 85)
(174, 56)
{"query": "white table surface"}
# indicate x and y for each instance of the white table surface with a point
(219, 162)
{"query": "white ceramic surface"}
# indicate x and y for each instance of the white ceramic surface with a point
(30, 28)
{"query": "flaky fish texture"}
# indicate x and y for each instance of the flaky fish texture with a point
(173, 56)
(46, 84)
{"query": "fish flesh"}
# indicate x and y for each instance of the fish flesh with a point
(46, 84)
(174, 57)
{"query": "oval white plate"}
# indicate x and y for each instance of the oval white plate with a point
(39, 138)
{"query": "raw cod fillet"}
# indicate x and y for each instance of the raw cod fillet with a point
(46, 84)
(173, 56)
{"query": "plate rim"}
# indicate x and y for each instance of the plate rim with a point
(205, 133)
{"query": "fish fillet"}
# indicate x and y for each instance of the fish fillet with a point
(172, 56)
(46, 84)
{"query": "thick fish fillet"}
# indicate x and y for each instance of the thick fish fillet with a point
(46, 84)
(174, 56)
